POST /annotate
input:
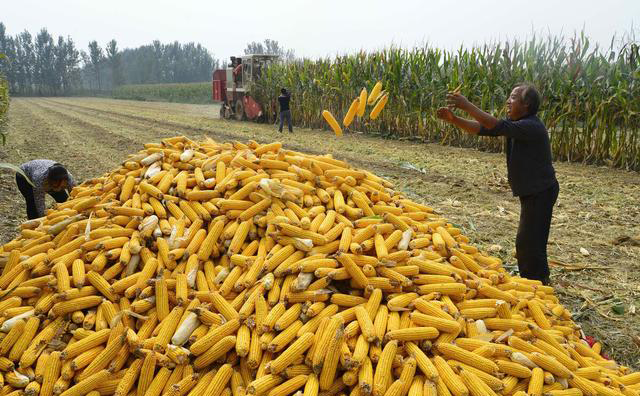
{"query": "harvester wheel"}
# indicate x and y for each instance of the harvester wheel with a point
(240, 116)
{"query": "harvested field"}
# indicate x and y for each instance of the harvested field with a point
(597, 209)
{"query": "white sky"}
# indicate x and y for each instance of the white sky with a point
(318, 28)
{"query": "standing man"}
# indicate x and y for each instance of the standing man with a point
(48, 177)
(237, 70)
(285, 112)
(529, 168)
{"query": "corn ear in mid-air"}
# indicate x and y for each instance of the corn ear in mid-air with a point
(348, 118)
(332, 122)
(378, 107)
(375, 92)
(362, 105)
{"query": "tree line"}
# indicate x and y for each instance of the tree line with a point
(42, 65)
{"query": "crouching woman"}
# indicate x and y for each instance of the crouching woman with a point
(48, 177)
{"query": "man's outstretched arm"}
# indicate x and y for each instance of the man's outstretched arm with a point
(485, 119)
(470, 126)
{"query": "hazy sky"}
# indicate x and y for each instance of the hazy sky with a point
(317, 28)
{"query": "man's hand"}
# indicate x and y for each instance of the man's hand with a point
(445, 114)
(457, 101)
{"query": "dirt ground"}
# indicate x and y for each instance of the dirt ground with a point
(595, 236)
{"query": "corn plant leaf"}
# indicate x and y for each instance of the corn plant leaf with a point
(6, 165)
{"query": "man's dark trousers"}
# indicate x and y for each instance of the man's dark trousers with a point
(533, 233)
(286, 114)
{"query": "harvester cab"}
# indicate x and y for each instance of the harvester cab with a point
(233, 86)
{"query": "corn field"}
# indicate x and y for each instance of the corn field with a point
(181, 93)
(590, 95)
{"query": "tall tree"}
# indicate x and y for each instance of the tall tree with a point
(96, 56)
(60, 66)
(72, 60)
(271, 47)
(27, 61)
(86, 73)
(44, 72)
(7, 56)
(113, 57)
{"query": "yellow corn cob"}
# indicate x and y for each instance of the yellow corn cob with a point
(78, 273)
(263, 384)
(88, 384)
(146, 373)
(101, 285)
(379, 106)
(16, 379)
(220, 380)
(512, 368)
(129, 379)
(365, 377)
(444, 325)
(354, 271)
(453, 289)
(283, 339)
(10, 339)
(330, 364)
(332, 122)
(162, 298)
(375, 92)
(168, 328)
(85, 358)
(366, 325)
(216, 351)
(351, 113)
(492, 382)
(475, 385)
(33, 388)
(422, 361)
(413, 334)
(478, 313)
(186, 384)
(289, 386)
(27, 335)
(473, 360)
(506, 324)
(538, 314)
(536, 382)
(550, 364)
(450, 379)
(362, 102)
(564, 392)
(51, 373)
(103, 359)
(291, 353)
(223, 306)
